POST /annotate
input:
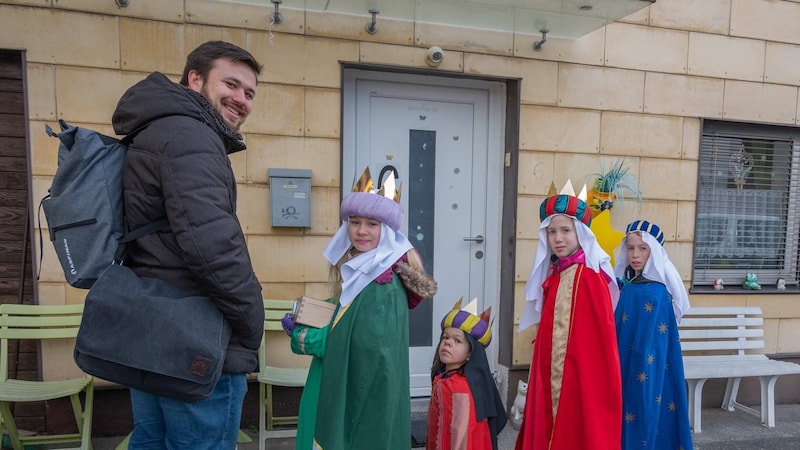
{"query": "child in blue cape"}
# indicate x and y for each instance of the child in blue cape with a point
(651, 302)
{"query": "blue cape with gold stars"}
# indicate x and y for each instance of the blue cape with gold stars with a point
(653, 388)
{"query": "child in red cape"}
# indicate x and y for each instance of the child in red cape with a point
(574, 398)
(465, 410)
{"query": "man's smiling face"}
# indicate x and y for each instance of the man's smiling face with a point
(230, 88)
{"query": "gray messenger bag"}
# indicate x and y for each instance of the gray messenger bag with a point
(148, 335)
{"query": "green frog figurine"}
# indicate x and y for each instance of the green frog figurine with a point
(751, 281)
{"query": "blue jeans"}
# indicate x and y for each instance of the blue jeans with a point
(161, 423)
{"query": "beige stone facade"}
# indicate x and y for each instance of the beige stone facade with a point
(638, 88)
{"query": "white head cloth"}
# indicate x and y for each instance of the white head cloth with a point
(358, 272)
(658, 268)
(596, 259)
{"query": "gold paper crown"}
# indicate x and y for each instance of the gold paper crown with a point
(364, 201)
(388, 189)
(567, 190)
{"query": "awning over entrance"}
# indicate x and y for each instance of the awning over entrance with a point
(566, 19)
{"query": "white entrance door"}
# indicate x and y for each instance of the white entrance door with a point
(444, 145)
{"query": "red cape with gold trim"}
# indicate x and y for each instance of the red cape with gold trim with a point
(574, 399)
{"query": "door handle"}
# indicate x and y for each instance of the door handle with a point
(477, 239)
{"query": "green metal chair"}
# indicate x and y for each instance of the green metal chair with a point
(39, 322)
(270, 375)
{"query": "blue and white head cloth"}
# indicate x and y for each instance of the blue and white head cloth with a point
(648, 227)
(658, 267)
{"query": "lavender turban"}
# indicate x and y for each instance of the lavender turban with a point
(373, 206)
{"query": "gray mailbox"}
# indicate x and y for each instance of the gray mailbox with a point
(290, 197)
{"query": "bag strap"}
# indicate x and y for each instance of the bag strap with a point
(130, 236)
(144, 230)
(41, 240)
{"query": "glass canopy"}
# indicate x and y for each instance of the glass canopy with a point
(567, 19)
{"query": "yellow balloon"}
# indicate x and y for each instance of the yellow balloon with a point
(608, 238)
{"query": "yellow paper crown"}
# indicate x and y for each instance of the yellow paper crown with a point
(388, 189)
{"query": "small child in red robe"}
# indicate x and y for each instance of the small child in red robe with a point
(465, 409)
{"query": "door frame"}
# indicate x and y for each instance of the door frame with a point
(501, 355)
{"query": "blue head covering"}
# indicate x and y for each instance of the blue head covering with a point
(658, 267)
(647, 227)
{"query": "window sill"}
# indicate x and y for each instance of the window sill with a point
(772, 290)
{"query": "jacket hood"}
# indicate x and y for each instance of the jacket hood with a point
(157, 97)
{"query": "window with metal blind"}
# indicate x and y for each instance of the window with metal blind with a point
(748, 205)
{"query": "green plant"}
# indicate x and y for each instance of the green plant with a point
(616, 183)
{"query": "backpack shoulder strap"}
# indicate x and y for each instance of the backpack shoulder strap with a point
(131, 236)
(129, 137)
(144, 230)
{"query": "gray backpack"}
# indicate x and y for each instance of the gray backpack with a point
(84, 206)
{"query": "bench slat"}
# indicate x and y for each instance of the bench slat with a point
(722, 310)
(714, 359)
(722, 345)
(721, 333)
(734, 369)
(727, 322)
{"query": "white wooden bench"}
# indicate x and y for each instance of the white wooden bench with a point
(715, 343)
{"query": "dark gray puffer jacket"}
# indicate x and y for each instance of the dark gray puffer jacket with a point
(177, 167)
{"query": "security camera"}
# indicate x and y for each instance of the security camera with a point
(435, 56)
